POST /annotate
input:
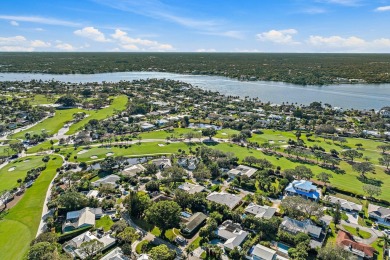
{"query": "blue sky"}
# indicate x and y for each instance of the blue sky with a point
(196, 25)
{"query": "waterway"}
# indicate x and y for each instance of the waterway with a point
(358, 96)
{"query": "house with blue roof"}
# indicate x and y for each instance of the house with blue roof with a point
(304, 189)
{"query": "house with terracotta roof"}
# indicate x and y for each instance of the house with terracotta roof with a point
(347, 242)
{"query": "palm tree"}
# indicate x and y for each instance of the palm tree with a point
(386, 240)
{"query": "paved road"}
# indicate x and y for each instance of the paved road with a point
(374, 233)
(45, 211)
(150, 237)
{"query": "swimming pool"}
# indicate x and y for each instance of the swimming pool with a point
(282, 248)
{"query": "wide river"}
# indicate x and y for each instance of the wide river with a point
(358, 96)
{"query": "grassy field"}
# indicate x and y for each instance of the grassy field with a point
(8, 179)
(40, 99)
(44, 146)
(363, 234)
(21, 223)
(162, 134)
(134, 150)
(118, 104)
(105, 222)
(50, 125)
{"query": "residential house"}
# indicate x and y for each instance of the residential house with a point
(115, 254)
(194, 223)
(258, 211)
(108, 180)
(294, 226)
(189, 163)
(232, 234)
(304, 189)
(223, 198)
(73, 246)
(162, 163)
(347, 242)
(344, 204)
(241, 170)
(191, 188)
(380, 214)
(259, 252)
(147, 126)
(81, 218)
(133, 170)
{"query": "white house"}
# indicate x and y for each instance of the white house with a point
(241, 170)
(260, 211)
(380, 214)
(232, 234)
(223, 198)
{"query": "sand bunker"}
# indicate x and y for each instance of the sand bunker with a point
(161, 145)
(11, 169)
(82, 151)
(109, 154)
(26, 160)
(94, 157)
(224, 134)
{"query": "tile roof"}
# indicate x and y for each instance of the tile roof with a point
(227, 199)
(260, 211)
(345, 204)
(345, 240)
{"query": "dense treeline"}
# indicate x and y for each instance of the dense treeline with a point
(294, 68)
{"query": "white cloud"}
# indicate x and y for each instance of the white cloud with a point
(91, 33)
(278, 36)
(65, 47)
(206, 50)
(314, 10)
(383, 8)
(336, 41)
(230, 34)
(38, 19)
(342, 2)
(40, 44)
(20, 43)
(349, 44)
(39, 29)
(14, 23)
(129, 43)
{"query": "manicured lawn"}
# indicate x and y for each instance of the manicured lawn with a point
(105, 222)
(363, 234)
(50, 125)
(20, 225)
(3, 152)
(162, 134)
(134, 150)
(118, 104)
(378, 245)
(44, 146)
(156, 231)
(8, 179)
(40, 99)
(147, 244)
(226, 133)
(171, 234)
(196, 243)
